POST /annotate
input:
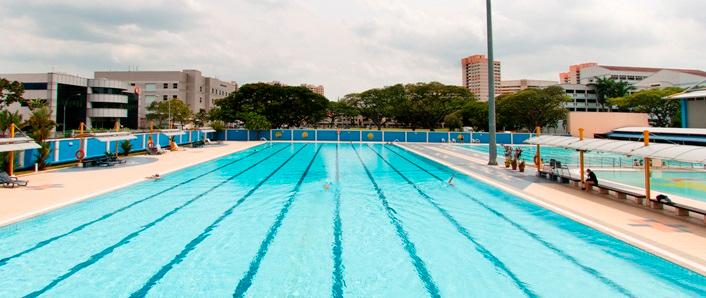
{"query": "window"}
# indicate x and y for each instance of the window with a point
(35, 86)
(174, 96)
(164, 97)
(175, 85)
(200, 88)
(150, 87)
(132, 84)
(200, 99)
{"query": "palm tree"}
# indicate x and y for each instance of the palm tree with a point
(7, 118)
(607, 88)
(40, 126)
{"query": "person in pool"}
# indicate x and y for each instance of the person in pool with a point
(591, 181)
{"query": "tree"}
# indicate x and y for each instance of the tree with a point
(530, 108)
(377, 105)
(475, 114)
(607, 88)
(256, 122)
(279, 105)
(339, 109)
(653, 102)
(7, 118)
(10, 92)
(162, 110)
(201, 118)
(453, 121)
(40, 126)
(427, 104)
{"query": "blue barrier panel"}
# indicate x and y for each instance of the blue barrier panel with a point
(30, 158)
(503, 138)
(304, 135)
(221, 135)
(281, 135)
(327, 135)
(163, 140)
(438, 137)
(67, 150)
(461, 137)
(520, 138)
(95, 148)
(372, 136)
(416, 137)
(350, 136)
(391, 136)
(136, 144)
(481, 136)
(237, 135)
(258, 135)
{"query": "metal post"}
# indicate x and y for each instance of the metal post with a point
(538, 162)
(12, 153)
(581, 164)
(492, 146)
(648, 161)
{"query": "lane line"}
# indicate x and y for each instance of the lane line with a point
(96, 257)
(417, 262)
(247, 279)
(487, 254)
(43, 243)
(337, 248)
(142, 292)
(591, 271)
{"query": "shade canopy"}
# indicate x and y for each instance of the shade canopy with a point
(114, 136)
(171, 132)
(207, 130)
(684, 153)
(17, 144)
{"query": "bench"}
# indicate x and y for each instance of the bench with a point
(681, 209)
(621, 193)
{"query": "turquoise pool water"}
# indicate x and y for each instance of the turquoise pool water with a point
(681, 183)
(261, 223)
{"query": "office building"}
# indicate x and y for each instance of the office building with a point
(197, 91)
(73, 99)
(513, 86)
(589, 73)
(475, 75)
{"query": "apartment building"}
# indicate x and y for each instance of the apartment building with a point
(475, 75)
(73, 99)
(513, 86)
(197, 91)
(318, 89)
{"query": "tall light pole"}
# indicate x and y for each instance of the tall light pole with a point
(492, 146)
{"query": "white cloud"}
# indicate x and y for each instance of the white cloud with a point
(347, 46)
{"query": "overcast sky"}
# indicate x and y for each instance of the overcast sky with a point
(347, 46)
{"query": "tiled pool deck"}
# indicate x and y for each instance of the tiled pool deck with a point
(54, 189)
(674, 239)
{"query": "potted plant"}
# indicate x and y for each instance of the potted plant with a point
(507, 155)
(521, 166)
(507, 162)
(514, 164)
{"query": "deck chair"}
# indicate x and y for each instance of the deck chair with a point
(8, 181)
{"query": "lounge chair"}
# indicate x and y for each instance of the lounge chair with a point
(8, 181)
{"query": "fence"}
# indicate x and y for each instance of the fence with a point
(64, 150)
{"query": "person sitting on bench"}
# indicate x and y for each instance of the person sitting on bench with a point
(664, 199)
(591, 181)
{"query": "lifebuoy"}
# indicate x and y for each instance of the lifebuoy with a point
(80, 154)
(536, 160)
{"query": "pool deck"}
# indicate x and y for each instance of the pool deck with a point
(680, 241)
(53, 189)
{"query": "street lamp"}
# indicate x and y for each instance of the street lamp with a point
(63, 126)
(492, 146)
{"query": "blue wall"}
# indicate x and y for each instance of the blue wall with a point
(95, 148)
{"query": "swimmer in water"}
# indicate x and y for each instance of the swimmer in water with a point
(327, 185)
(451, 180)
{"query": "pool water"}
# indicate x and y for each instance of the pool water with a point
(323, 220)
(681, 183)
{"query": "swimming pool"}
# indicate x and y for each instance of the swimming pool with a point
(261, 223)
(681, 183)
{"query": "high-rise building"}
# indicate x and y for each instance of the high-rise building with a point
(73, 99)
(475, 75)
(197, 91)
(319, 89)
(512, 86)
